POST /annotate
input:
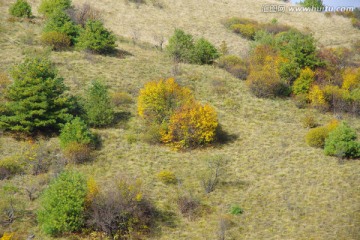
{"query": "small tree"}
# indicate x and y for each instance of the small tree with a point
(36, 100)
(204, 52)
(158, 100)
(60, 22)
(20, 8)
(97, 105)
(75, 131)
(48, 7)
(181, 46)
(341, 142)
(96, 38)
(62, 204)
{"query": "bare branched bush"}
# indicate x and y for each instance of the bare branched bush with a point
(80, 15)
(214, 172)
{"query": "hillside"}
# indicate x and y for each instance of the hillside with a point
(287, 189)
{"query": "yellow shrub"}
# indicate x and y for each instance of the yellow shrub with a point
(167, 177)
(317, 98)
(56, 40)
(316, 136)
(191, 125)
(351, 79)
(264, 79)
(93, 190)
(159, 99)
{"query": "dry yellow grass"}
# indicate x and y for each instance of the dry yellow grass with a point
(287, 189)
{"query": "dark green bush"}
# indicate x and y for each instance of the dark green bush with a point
(97, 105)
(56, 40)
(20, 8)
(48, 7)
(341, 142)
(76, 131)
(35, 101)
(62, 204)
(181, 46)
(204, 52)
(96, 38)
(60, 22)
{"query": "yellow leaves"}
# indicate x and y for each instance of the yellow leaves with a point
(7, 236)
(184, 121)
(191, 125)
(159, 99)
(316, 96)
(351, 79)
(93, 190)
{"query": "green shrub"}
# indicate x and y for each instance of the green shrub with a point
(60, 22)
(10, 166)
(341, 142)
(97, 105)
(75, 131)
(234, 65)
(236, 210)
(35, 101)
(20, 8)
(303, 83)
(62, 204)
(48, 7)
(56, 40)
(96, 38)
(167, 177)
(204, 52)
(181, 46)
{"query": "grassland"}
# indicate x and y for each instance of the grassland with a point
(287, 189)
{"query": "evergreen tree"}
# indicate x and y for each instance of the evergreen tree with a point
(35, 102)
(98, 105)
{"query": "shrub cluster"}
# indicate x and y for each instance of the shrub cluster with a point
(337, 139)
(21, 8)
(171, 110)
(182, 48)
(82, 27)
(248, 28)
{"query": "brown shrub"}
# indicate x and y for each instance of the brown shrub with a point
(77, 153)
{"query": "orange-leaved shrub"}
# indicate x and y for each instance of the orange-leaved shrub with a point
(158, 100)
(192, 125)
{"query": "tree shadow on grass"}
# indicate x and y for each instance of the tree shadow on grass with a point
(120, 53)
(223, 137)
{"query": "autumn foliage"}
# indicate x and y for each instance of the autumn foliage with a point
(184, 122)
(192, 125)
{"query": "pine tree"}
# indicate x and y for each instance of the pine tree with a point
(98, 105)
(35, 102)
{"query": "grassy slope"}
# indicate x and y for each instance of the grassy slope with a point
(287, 189)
